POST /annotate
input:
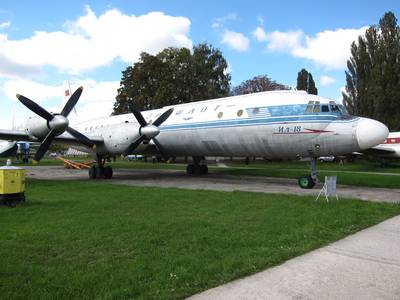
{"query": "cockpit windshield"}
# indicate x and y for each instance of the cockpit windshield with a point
(338, 109)
(332, 107)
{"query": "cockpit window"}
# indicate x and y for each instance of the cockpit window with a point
(343, 109)
(324, 108)
(317, 107)
(334, 108)
(310, 107)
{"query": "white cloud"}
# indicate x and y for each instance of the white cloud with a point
(236, 41)
(284, 41)
(35, 91)
(5, 25)
(220, 22)
(326, 80)
(96, 101)
(328, 48)
(260, 34)
(92, 41)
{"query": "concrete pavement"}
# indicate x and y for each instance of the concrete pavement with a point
(365, 265)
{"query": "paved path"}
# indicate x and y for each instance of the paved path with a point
(365, 265)
(219, 182)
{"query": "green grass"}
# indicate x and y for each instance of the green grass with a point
(87, 240)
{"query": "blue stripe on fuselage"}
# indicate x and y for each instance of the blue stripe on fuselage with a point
(256, 121)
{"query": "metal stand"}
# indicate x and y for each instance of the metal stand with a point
(329, 188)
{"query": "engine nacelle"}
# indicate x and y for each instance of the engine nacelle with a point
(37, 127)
(117, 138)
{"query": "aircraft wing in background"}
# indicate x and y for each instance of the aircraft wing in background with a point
(21, 135)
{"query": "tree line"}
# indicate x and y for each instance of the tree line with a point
(373, 75)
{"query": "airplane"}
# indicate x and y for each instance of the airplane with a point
(390, 148)
(8, 149)
(277, 124)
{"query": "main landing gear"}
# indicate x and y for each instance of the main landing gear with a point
(199, 166)
(308, 181)
(100, 171)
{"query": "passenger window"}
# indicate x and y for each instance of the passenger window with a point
(240, 113)
(220, 114)
(325, 108)
(310, 107)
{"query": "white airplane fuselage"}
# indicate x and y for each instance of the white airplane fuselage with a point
(277, 124)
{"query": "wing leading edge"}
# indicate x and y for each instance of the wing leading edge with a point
(66, 138)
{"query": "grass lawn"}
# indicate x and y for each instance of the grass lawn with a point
(86, 240)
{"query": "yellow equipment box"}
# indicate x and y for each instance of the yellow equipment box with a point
(12, 180)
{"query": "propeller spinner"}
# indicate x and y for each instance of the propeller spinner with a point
(149, 131)
(58, 123)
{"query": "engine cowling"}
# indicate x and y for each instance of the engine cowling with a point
(37, 127)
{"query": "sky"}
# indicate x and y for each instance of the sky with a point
(89, 43)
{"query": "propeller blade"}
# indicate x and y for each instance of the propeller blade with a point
(134, 145)
(80, 137)
(163, 117)
(139, 117)
(44, 146)
(71, 102)
(36, 108)
(161, 149)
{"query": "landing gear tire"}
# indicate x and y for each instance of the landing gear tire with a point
(203, 170)
(196, 170)
(190, 169)
(306, 182)
(108, 172)
(92, 172)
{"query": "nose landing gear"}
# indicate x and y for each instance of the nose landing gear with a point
(309, 181)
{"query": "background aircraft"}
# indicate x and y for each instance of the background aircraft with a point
(279, 124)
(8, 149)
(390, 148)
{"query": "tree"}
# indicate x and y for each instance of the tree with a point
(305, 82)
(259, 83)
(173, 76)
(373, 75)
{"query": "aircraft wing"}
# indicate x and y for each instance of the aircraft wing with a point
(380, 150)
(66, 138)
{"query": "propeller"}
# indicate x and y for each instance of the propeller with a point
(57, 123)
(149, 131)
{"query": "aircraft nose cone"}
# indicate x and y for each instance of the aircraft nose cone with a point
(370, 133)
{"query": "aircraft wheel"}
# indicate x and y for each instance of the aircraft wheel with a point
(203, 170)
(108, 172)
(306, 182)
(92, 172)
(190, 169)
